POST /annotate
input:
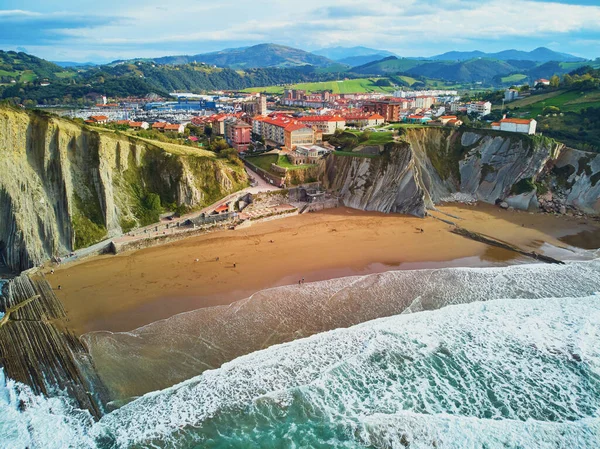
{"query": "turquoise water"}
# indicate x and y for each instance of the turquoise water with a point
(506, 373)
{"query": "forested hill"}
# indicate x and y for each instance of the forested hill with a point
(143, 78)
(22, 67)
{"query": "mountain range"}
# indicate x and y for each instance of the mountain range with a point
(273, 55)
(261, 55)
(541, 54)
(353, 56)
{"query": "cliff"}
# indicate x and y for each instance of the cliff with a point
(429, 165)
(65, 186)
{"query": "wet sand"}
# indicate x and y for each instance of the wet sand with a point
(124, 292)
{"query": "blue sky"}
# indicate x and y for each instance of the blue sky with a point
(83, 30)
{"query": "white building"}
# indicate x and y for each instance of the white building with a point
(511, 94)
(516, 125)
(481, 108)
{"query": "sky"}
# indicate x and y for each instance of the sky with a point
(102, 31)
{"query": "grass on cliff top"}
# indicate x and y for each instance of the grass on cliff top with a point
(266, 160)
(179, 149)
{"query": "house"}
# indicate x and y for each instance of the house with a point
(363, 119)
(122, 122)
(511, 94)
(238, 134)
(174, 128)
(481, 108)
(307, 154)
(516, 125)
(138, 125)
(444, 119)
(454, 123)
(98, 119)
(542, 81)
(418, 119)
(327, 124)
(159, 126)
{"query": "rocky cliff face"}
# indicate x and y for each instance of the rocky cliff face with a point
(63, 185)
(429, 165)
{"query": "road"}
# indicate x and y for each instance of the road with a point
(261, 186)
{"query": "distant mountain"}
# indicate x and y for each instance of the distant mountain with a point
(354, 61)
(386, 66)
(74, 64)
(540, 54)
(474, 70)
(262, 55)
(341, 53)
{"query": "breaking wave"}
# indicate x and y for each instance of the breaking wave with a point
(503, 373)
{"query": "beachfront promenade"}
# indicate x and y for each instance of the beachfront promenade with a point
(170, 226)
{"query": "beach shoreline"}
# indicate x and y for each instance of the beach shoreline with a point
(130, 290)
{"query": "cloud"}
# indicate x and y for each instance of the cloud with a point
(410, 27)
(27, 27)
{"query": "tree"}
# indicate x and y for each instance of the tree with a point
(554, 81)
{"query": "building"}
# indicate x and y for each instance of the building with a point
(307, 154)
(516, 125)
(418, 119)
(138, 125)
(174, 128)
(542, 81)
(159, 126)
(217, 122)
(444, 119)
(424, 102)
(284, 131)
(363, 119)
(296, 134)
(511, 94)
(238, 134)
(388, 109)
(257, 106)
(98, 119)
(481, 108)
(327, 124)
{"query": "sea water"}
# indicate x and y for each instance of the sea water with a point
(502, 373)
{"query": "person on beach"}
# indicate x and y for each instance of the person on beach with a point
(234, 265)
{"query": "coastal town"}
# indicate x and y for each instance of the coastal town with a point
(299, 125)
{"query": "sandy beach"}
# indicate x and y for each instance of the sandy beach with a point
(124, 292)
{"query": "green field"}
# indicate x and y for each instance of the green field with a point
(516, 78)
(566, 101)
(65, 74)
(359, 85)
(266, 160)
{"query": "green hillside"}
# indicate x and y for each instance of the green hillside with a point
(24, 68)
(359, 85)
(386, 66)
(564, 100)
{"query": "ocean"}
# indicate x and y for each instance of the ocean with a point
(521, 371)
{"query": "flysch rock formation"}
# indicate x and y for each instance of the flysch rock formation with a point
(64, 185)
(430, 165)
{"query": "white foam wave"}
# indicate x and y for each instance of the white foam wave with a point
(30, 421)
(501, 360)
